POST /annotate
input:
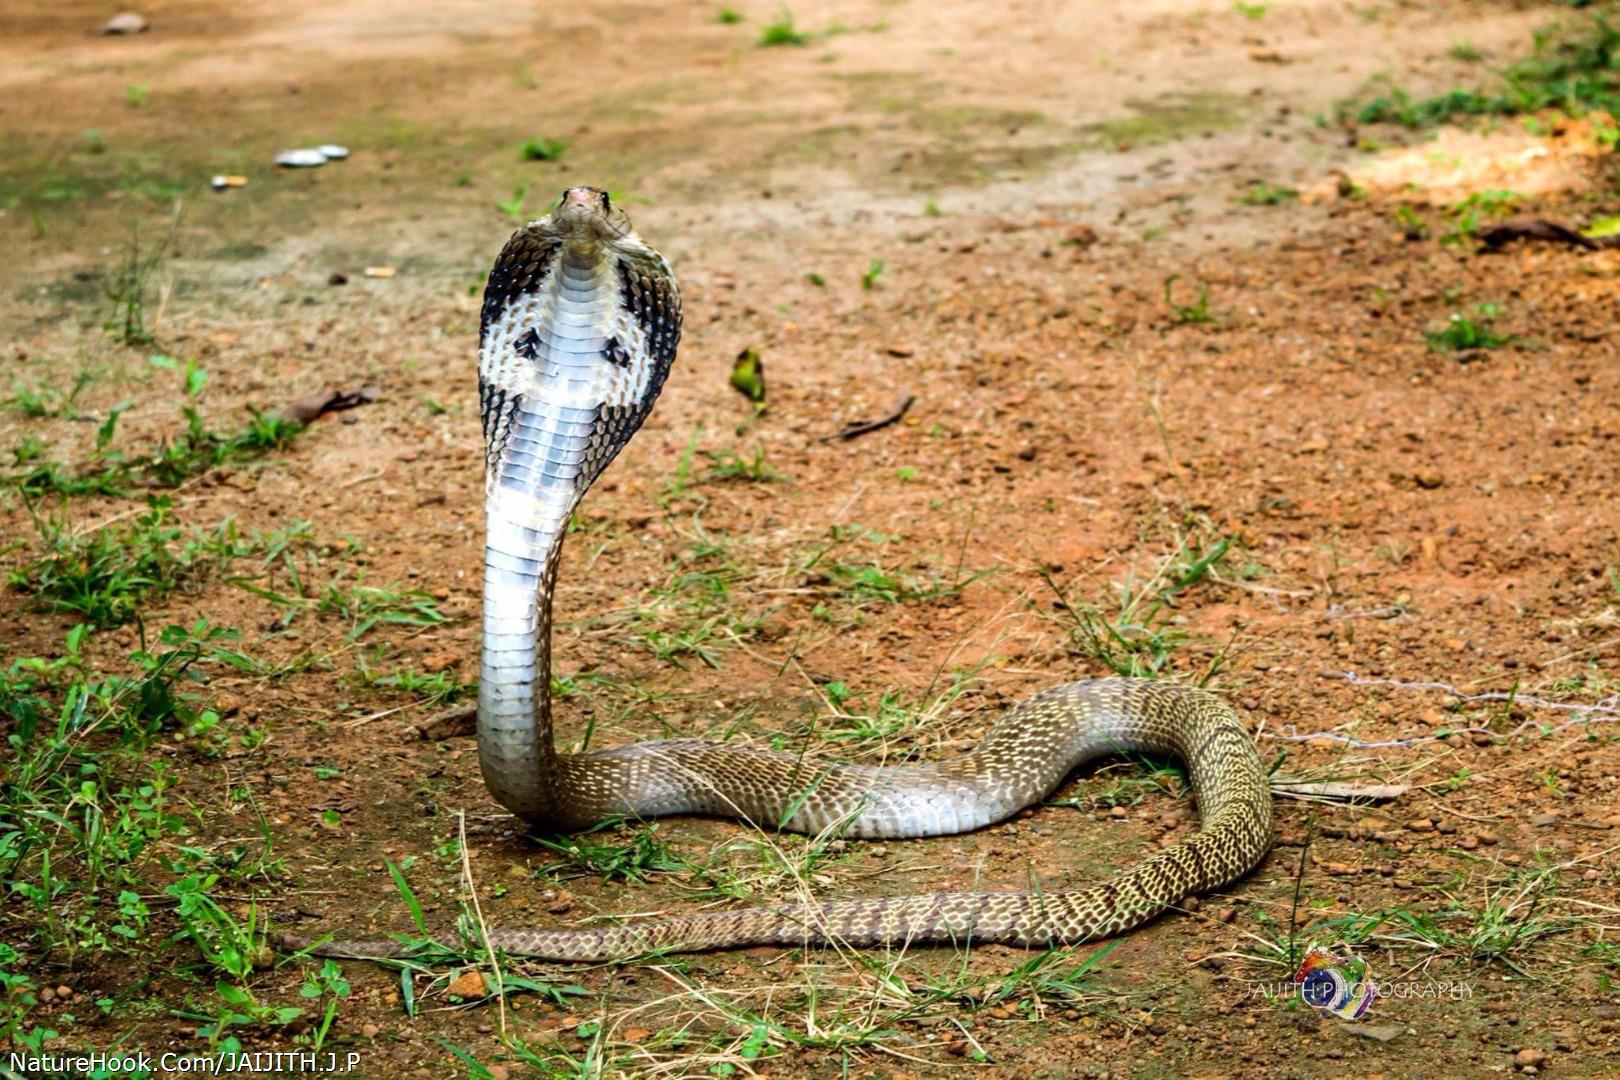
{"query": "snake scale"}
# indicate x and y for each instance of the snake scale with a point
(579, 328)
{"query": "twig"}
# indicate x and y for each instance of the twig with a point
(855, 428)
(483, 927)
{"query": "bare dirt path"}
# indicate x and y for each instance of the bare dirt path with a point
(1168, 417)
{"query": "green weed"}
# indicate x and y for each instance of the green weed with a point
(1571, 67)
(542, 149)
(1140, 636)
(1462, 333)
(642, 853)
(1260, 193)
(1195, 313)
(781, 31)
(128, 286)
(513, 207)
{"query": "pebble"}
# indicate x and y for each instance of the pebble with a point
(1468, 843)
(557, 901)
(370, 1031)
(901, 351)
(1081, 235)
(1226, 914)
(1420, 825)
(1543, 821)
(1118, 813)
(1529, 1058)
(498, 1071)
(469, 984)
(1487, 837)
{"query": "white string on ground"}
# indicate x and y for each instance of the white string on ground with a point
(1605, 710)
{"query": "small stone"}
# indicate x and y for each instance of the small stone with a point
(1488, 838)
(440, 662)
(380, 271)
(635, 1035)
(498, 1071)
(1468, 843)
(558, 901)
(1529, 1058)
(1190, 903)
(1226, 914)
(1118, 813)
(64, 991)
(1081, 236)
(469, 984)
(370, 1031)
(901, 351)
(125, 22)
(1377, 1032)
(1428, 481)
(1543, 821)
(1027, 453)
(337, 277)
(1420, 825)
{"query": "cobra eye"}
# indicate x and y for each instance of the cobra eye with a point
(607, 201)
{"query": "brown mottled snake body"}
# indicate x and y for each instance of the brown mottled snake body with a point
(580, 325)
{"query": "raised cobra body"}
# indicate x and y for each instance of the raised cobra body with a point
(580, 325)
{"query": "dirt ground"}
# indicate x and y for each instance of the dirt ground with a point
(1069, 230)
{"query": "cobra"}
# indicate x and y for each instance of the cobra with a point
(580, 324)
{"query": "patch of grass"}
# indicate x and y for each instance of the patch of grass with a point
(1195, 313)
(542, 149)
(366, 607)
(1572, 66)
(1254, 12)
(513, 207)
(631, 855)
(196, 451)
(436, 687)
(108, 575)
(1141, 633)
(730, 465)
(1172, 117)
(1410, 223)
(874, 271)
(1260, 193)
(692, 614)
(87, 827)
(1462, 333)
(43, 403)
(1481, 206)
(728, 17)
(781, 31)
(128, 286)
(894, 726)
